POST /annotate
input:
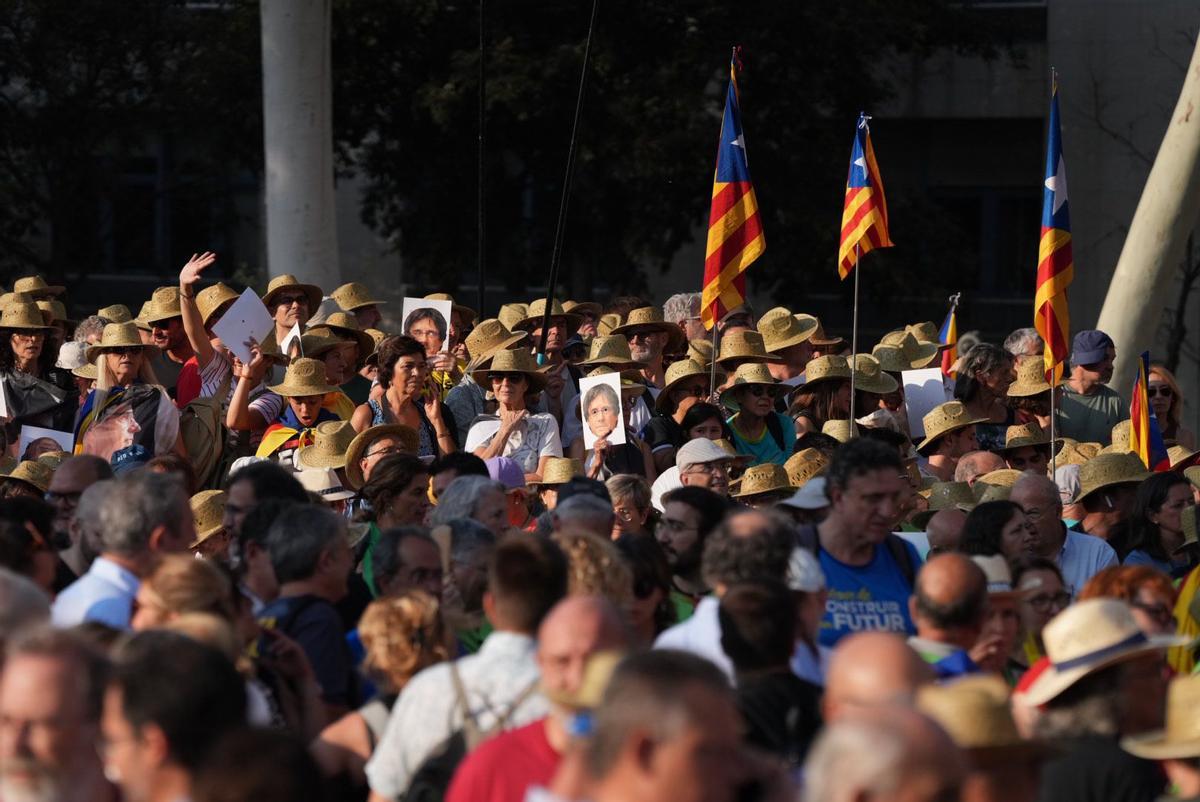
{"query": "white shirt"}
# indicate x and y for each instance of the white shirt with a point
(427, 711)
(105, 594)
(700, 635)
(533, 438)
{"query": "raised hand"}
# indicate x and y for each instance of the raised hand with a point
(195, 266)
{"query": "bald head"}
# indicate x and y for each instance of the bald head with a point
(575, 629)
(950, 600)
(77, 474)
(869, 669)
(974, 464)
(944, 530)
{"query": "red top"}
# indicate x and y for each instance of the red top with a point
(187, 388)
(502, 768)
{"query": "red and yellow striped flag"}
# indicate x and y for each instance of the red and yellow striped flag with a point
(864, 214)
(1056, 266)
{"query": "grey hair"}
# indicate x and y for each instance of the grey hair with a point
(586, 512)
(1019, 341)
(461, 498)
(22, 604)
(1030, 481)
(135, 505)
(385, 556)
(681, 306)
(298, 538)
(468, 538)
(89, 326)
(854, 758)
(87, 518)
(1091, 706)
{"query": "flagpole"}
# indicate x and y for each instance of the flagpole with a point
(854, 337)
(712, 379)
(1053, 450)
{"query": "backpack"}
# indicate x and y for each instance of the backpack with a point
(806, 537)
(211, 445)
(432, 778)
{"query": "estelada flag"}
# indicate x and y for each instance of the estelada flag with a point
(735, 235)
(948, 335)
(1056, 266)
(1145, 438)
(864, 213)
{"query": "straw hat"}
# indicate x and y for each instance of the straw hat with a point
(331, 440)
(489, 337)
(1192, 474)
(208, 508)
(53, 459)
(926, 333)
(986, 492)
(651, 317)
(140, 321)
(915, 354)
(823, 369)
(607, 323)
(840, 429)
(121, 335)
(781, 329)
(409, 439)
(870, 377)
(1121, 434)
(974, 711)
(1107, 470)
(804, 465)
(765, 478)
(891, 359)
(677, 372)
(752, 373)
(1187, 521)
(585, 308)
(352, 295)
(1077, 453)
(53, 311)
(631, 384)
(23, 317)
(210, 300)
(1181, 738)
(163, 305)
(304, 377)
(34, 473)
(560, 470)
(520, 361)
(610, 350)
(1031, 379)
(512, 314)
(344, 326)
(944, 419)
(945, 496)
(1086, 637)
(820, 338)
(36, 287)
(700, 351)
(744, 345)
(740, 460)
(116, 313)
(1181, 456)
(467, 314)
(289, 282)
(1001, 477)
(536, 310)
(1026, 434)
(325, 483)
(87, 371)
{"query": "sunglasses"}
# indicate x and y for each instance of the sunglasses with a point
(125, 350)
(758, 391)
(1162, 392)
(288, 300)
(513, 378)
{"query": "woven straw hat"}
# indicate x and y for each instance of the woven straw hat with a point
(631, 384)
(53, 311)
(536, 310)
(1031, 378)
(140, 321)
(915, 354)
(1181, 738)
(974, 711)
(23, 317)
(651, 317)
(489, 337)
(1077, 453)
(304, 377)
(891, 359)
(804, 465)
(585, 308)
(560, 470)
(744, 345)
(781, 329)
(607, 323)
(610, 350)
(765, 478)
(120, 335)
(33, 473)
(820, 338)
(1121, 434)
(53, 459)
(1026, 434)
(208, 508)
(945, 496)
(316, 343)
(289, 282)
(926, 333)
(467, 314)
(36, 287)
(751, 373)
(870, 377)
(1187, 521)
(824, 369)
(511, 314)
(519, 361)
(352, 295)
(985, 492)
(1086, 637)
(1181, 456)
(731, 451)
(1001, 477)
(840, 429)
(331, 441)
(1192, 474)
(409, 439)
(700, 351)
(87, 371)
(116, 313)
(344, 326)
(944, 419)
(677, 372)
(1107, 470)
(163, 305)
(210, 300)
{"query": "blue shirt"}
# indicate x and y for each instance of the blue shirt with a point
(105, 594)
(766, 448)
(868, 597)
(1082, 557)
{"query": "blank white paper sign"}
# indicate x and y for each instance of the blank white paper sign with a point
(247, 319)
(923, 390)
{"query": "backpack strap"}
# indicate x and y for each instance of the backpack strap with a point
(776, 430)
(471, 731)
(898, 548)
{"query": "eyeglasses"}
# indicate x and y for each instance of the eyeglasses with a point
(709, 467)
(600, 412)
(29, 335)
(1047, 602)
(1163, 392)
(386, 451)
(288, 300)
(513, 378)
(1159, 613)
(125, 350)
(634, 334)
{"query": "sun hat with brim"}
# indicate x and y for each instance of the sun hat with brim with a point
(536, 310)
(946, 496)
(891, 359)
(1001, 477)
(54, 312)
(781, 329)
(320, 341)
(325, 483)
(945, 419)
(140, 321)
(331, 441)
(32, 472)
(739, 460)
(87, 371)
(975, 712)
(511, 314)
(804, 574)
(352, 295)
(1077, 453)
(343, 326)
(1031, 378)
(163, 305)
(36, 287)
(560, 470)
(840, 429)
(1109, 470)
(700, 351)
(768, 477)
(210, 300)
(913, 353)
(53, 459)
(208, 508)
(870, 377)
(745, 346)
(467, 314)
(820, 338)
(749, 375)
(507, 471)
(630, 386)
(680, 371)
(119, 335)
(698, 451)
(651, 317)
(115, 313)
(607, 323)
(410, 441)
(23, 317)
(1182, 457)
(823, 369)
(1088, 636)
(1119, 439)
(71, 355)
(999, 575)
(1180, 740)
(1025, 435)
(290, 282)
(584, 308)
(1192, 474)
(810, 497)
(926, 333)
(304, 377)
(489, 337)
(1188, 525)
(802, 466)
(610, 350)
(520, 361)
(986, 492)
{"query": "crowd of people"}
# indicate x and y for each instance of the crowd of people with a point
(381, 561)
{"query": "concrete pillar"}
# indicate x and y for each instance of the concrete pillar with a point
(298, 141)
(1165, 216)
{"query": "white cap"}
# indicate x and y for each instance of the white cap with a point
(242, 462)
(667, 481)
(700, 450)
(325, 483)
(995, 568)
(804, 573)
(809, 497)
(71, 355)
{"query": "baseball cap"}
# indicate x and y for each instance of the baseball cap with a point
(1089, 347)
(506, 471)
(700, 450)
(804, 574)
(810, 497)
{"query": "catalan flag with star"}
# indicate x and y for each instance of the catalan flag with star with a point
(1145, 437)
(864, 214)
(1056, 266)
(735, 234)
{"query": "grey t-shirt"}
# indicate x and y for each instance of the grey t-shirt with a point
(1090, 418)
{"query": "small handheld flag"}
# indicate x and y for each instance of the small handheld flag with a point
(1056, 267)
(949, 336)
(735, 235)
(864, 213)
(1145, 438)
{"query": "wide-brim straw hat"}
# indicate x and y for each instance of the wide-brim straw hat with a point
(700, 351)
(926, 333)
(115, 313)
(975, 712)
(512, 314)
(610, 350)
(1109, 470)
(1180, 740)
(678, 372)
(1031, 378)
(946, 496)
(352, 295)
(915, 354)
(1088, 636)
(36, 287)
(519, 361)
(585, 308)
(54, 459)
(489, 337)
(746, 346)
(87, 371)
(23, 317)
(163, 305)
(407, 435)
(289, 282)
(870, 377)
(820, 338)
(33, 473)
(210, 300)
(1076, 453)
(608, 323)
(1187, 524)
(467, 314)
(536, 310)
(651, 317)
(804, 465)
(768, 477)
(120, 335)
(1001, 477)
(781, 329)
(140, 321)
(343, 326)
(208, 508)
(1121, 435)
(739, 459)
(1181, 457)
(748, 375)
(560, 470)
(53, 311)
(945, 419)
(891, 359)
(331, 442)
(304, 377)
(1192, 474)
(823, 369)
(1027, 434)
(840, 429)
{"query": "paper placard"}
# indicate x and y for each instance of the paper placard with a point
(247, 320)
(600, 409)
(293, 340)
(43, 441)
(428, 322)
(4, 398)
(923, 390)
